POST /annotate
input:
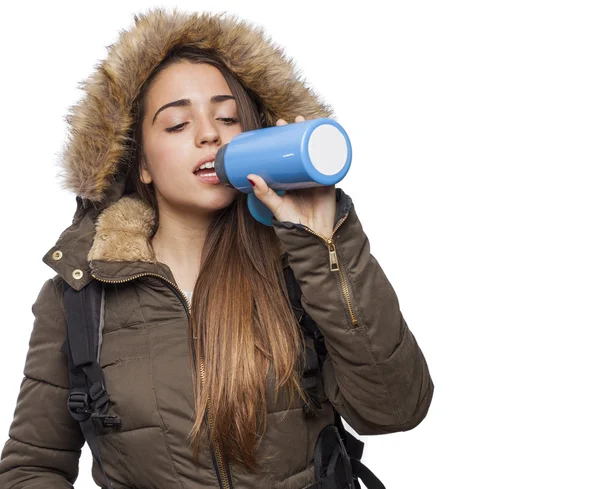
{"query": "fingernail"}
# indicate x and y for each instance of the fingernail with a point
(252, 182)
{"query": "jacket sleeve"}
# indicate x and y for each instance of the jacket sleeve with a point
(44, 443)
(374, 374)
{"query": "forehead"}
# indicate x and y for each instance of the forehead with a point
(197, 81)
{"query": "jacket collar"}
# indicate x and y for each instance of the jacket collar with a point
(113, 244)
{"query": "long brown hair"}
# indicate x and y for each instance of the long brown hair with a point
(242, 322)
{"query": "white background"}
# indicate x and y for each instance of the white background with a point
(475, 175)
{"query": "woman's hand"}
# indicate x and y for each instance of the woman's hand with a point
(314, 207)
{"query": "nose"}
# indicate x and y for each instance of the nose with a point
(207, 134)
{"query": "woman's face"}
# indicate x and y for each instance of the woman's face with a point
(177, 137)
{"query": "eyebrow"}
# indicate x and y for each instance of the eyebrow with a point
(186, 102)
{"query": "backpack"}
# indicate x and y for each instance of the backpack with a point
(337, 453)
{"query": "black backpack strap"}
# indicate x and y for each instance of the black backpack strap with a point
(331, 464)
(360, 470)
(88, 400)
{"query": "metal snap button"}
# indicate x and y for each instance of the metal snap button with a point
(77, 274)
(57, 255)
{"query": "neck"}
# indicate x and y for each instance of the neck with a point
(179, 241)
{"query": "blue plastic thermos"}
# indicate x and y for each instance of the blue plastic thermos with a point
(302, 154)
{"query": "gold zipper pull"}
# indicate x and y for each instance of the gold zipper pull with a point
(333, 261)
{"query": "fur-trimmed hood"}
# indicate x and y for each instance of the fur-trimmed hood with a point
(107, 225)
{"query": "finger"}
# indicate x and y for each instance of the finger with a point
(266, 194)
(300, 118)
(280, 122)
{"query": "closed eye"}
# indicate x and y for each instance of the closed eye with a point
(228, 121)
(177, 128)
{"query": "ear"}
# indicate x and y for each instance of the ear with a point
(145, 176)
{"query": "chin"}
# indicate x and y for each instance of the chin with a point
(202, 201)
(217, 199)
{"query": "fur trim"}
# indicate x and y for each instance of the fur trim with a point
(96, 152)
(123, 232)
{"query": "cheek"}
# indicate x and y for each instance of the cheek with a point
(168, 159)
(231, 133)
(165, 150)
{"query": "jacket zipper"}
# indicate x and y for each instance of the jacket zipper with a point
(334, 264)
(222, 470)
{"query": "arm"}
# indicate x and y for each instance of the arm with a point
(375, 374)
(44, 442)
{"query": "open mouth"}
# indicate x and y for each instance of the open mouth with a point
(206, 170)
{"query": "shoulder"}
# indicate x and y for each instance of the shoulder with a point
(49, 301)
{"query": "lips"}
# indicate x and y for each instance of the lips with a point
(212, 180)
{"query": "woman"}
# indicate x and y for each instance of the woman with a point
(174, 89)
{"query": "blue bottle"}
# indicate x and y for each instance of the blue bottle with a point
(303, 154)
